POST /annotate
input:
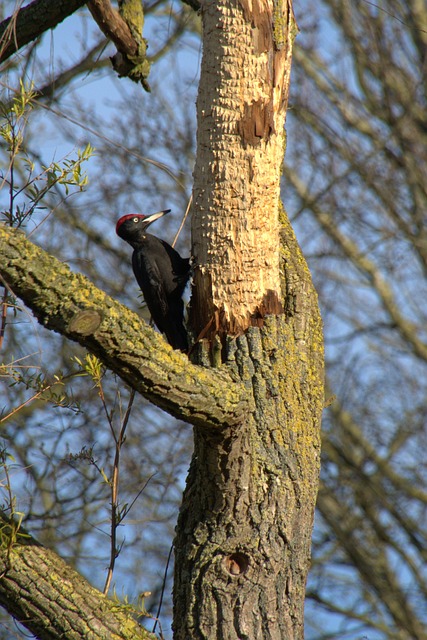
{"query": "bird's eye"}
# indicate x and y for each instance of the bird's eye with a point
(135, 219)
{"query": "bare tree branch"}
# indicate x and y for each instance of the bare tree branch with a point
(409, 330)
(125, 30)
(90, 63)
(69, 303)
(30, 22)
(113, 26)
(27, 24)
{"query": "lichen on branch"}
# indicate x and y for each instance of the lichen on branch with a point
(70, 304)
(51, 599)
(124, 29)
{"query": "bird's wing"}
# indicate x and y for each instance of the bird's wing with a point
(180, 269)
(149, 278)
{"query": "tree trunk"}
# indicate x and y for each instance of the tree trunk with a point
(241, 110)
(243, 537)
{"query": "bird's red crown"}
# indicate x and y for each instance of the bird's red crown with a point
(128, 216)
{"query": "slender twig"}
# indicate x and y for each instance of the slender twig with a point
(3, 317)
(129, 507)
(184, 218)
(15, 523)
(12, 178)
(28, 23)
(37, 395)
(116, 517)
(110, 141)
(162, 592)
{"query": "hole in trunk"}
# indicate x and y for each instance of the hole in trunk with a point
(236, 564)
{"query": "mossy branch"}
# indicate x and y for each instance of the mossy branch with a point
(124, 29)
(70, 304)
(51, 599)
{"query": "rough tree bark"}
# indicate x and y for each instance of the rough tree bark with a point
(53, 600)
(243, 538)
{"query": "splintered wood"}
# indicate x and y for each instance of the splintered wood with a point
(241, 115)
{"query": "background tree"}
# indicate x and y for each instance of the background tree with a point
(356, 126)
(356, 172)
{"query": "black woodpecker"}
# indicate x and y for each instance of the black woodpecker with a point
(160, 272)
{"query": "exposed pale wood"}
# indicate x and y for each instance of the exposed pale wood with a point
(241, 113)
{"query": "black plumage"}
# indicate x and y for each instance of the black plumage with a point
(161, 273)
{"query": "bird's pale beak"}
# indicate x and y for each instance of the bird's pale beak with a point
(155, 216)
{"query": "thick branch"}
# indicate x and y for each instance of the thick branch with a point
(113, 26)
(70, 304)
(125, 30)
(51, 599)
(30, 22)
